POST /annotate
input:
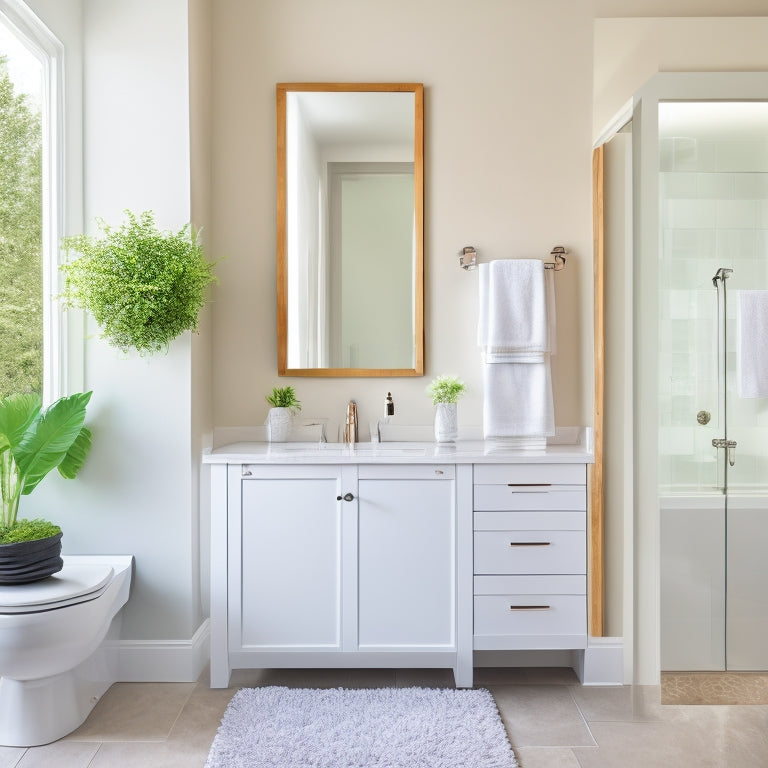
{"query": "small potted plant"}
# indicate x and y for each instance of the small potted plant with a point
(280, 417)
(34, 441)
(445, 391)
(144, 287)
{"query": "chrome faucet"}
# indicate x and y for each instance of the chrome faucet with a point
(350, 428)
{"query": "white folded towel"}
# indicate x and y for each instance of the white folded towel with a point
(752, 334)
(516, 333)
(513, 308)
(517, 400)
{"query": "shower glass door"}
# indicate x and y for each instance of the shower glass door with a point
(713, 442)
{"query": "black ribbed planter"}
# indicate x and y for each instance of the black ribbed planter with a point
(26, 561)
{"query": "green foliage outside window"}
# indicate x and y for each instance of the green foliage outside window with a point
(21, 227)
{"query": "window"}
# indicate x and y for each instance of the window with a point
(31, 330)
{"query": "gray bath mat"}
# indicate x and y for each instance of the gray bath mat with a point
(276, 727)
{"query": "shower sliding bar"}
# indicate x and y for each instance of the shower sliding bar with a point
(722, 275)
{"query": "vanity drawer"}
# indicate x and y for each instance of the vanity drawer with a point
(501, 497)
(531, 606)
(530, 551)
(543, 520)
(527, 474)
(406, 472)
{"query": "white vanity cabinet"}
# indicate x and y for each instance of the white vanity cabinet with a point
(336, 566)
(394, 555)
(530, 557)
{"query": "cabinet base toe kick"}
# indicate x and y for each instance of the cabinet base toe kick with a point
(351, 660)
(461, 666)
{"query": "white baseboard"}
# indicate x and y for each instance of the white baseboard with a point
(601, 662)
(162, 661)
(183, 661)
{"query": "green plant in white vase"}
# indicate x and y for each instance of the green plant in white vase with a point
(284, 404)
(143, 287)
(445, 391)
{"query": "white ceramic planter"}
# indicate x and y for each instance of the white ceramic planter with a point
(279, 423)
(446, 422)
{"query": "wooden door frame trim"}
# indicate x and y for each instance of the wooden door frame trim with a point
(595, 478)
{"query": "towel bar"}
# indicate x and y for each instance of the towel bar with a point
(468, 258)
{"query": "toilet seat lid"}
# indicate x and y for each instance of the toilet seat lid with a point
(75, 583)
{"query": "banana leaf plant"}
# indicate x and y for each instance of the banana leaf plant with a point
(35, 440)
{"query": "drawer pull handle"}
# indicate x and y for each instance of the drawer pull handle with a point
(528, 607)
(531, 487)
(529, 543)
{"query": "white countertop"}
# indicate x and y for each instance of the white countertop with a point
(459, 452)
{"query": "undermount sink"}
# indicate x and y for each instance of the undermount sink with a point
(324, 449)
(309, 447)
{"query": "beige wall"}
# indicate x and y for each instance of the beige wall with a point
(629, 51)
(508, 135)
(511, 115)
(509, 127)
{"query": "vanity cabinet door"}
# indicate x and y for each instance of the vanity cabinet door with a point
(286, 590)
(407, 558)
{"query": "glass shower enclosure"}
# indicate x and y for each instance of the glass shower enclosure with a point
(712, 427)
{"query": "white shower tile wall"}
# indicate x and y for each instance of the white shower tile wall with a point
(714, 213)
(736, 244)
(717, 186)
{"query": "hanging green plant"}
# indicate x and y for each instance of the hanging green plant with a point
(143, 287)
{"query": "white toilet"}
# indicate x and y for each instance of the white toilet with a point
(53, 663)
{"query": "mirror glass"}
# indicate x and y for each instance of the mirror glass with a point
(349, 229)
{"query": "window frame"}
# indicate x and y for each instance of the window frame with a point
(49, 51)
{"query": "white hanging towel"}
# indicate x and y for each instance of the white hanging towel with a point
(513, 308)
(515, 336)
(752, 344)
(517, 400)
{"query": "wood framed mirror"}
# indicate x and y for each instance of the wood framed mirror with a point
(350, 240)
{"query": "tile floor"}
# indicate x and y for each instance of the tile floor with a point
(552, 722)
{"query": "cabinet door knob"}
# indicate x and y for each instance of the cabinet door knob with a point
(346, 497)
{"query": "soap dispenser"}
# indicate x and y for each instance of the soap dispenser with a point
(389, 405)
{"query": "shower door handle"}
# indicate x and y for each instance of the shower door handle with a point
(730, 445)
